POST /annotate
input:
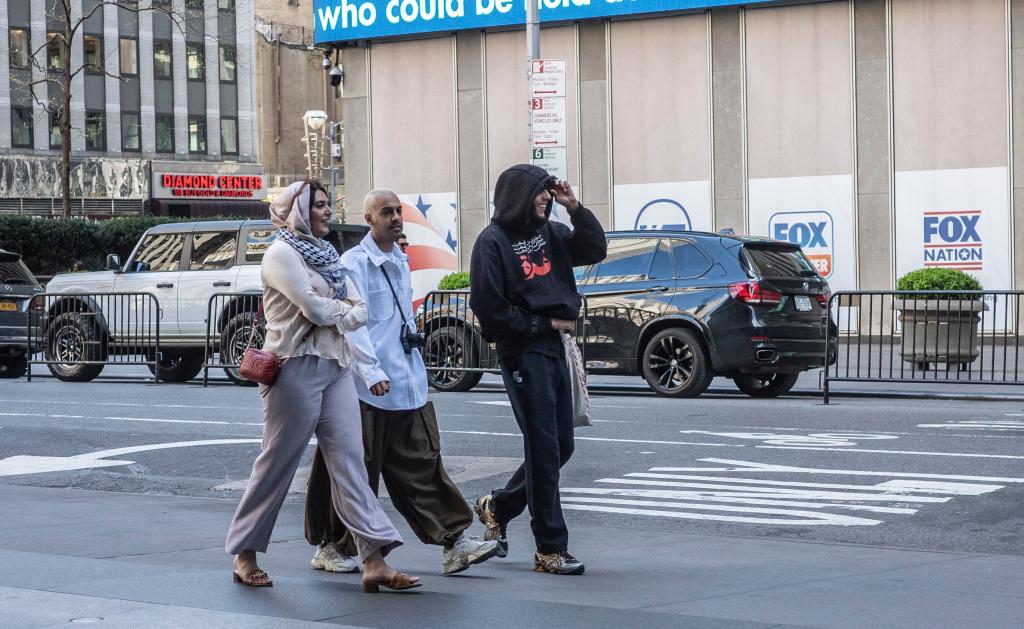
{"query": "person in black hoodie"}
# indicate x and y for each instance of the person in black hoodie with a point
(523, 293)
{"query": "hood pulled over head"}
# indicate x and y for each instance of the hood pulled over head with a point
(514, 193)
(290, 210)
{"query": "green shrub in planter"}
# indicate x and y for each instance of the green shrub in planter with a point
(935, 279)
(454, 281)
(939, 327)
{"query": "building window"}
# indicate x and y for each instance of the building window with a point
(228, 65)
(226, 5)
(131, 132)
(161, 3)
(162, 65)
(20, 51)
(54, 52)
(54, 128)
(195, 62)
(165, 133)
(229, 136)
(93, 45)
(293, 3)
(21, 127)
(95, 131)
(129, 56)
(196, 134)
(195, 5)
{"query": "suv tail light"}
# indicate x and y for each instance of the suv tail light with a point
(754, 294)
(823, 298)
(38, 305)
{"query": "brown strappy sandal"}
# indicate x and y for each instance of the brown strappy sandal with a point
(400, 581)
(257, 579)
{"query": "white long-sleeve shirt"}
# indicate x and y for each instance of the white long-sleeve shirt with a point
(378, 342)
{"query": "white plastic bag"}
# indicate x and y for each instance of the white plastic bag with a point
(578, 376)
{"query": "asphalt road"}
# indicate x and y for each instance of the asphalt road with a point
(907, 474)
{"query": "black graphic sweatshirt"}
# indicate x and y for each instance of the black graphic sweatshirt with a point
(521, 271)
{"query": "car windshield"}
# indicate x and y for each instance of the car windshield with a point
(780, 262)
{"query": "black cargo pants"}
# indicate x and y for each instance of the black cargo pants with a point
(539, 388)
(404, 447)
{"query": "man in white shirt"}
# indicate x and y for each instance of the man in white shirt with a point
(400, 434)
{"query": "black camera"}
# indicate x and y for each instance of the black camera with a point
(410, 340)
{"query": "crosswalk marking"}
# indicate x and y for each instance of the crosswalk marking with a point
(719, 494)
(1001, 425)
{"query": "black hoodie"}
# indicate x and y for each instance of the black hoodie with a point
(521, 272)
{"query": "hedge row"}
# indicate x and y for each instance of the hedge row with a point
(50, 246)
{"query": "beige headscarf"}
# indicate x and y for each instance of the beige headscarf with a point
(291, 210)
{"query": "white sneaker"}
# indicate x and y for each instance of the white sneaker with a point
(465, 552)
(328, 558)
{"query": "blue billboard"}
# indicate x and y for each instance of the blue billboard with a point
(348, 20)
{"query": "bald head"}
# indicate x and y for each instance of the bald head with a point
(383, 213)
(374, 198)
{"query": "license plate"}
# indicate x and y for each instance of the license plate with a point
(8, 306)
(803, 303)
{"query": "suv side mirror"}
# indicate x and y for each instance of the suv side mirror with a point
(113, 262)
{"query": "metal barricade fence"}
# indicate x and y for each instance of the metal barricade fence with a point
(455, 344)
(79, 333)
(229, 319)
(967, 337)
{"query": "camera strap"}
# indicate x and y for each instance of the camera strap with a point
(394, 295)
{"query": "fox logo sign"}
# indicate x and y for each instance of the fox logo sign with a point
(663, 214)
(952, 240)
(813, 231)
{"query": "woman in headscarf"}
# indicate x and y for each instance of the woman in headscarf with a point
(310, 303)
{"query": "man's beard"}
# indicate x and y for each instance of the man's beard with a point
(537, 221)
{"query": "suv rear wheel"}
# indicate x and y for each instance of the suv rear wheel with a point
(70, 338)
(675, 364)
(179, 365)
(449, 347)
(767, 385)
(233, 340)
(13, 365)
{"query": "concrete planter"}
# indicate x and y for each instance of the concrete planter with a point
(940, 330)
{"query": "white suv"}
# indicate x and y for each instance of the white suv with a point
(183, 265)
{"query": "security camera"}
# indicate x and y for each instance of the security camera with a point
(337, 76)
(326, 62)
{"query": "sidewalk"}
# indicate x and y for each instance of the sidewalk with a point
(157, 561)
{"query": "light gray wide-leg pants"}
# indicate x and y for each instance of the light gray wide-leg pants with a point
(311, 395)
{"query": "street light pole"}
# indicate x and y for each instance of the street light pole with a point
(532, 52)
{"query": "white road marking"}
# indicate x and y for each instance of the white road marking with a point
(746, 467)
(495, 403)
(136, 419)
(812, 439)
(802, 518)
(966, 455)
(732, 497)
(728, 498)
(980, 424)
(28, 464)
(830, 430)
(579, 438)
(80, 403)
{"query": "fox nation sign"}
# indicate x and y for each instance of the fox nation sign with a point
(348, 20)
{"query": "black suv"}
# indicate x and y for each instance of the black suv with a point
(17, 286)
(678, 308)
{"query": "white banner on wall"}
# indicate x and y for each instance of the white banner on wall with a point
(431, 224)
(668, 205)
(956, 219)
(815, 213)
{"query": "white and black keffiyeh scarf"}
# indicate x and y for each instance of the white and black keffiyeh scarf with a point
(325, 259)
